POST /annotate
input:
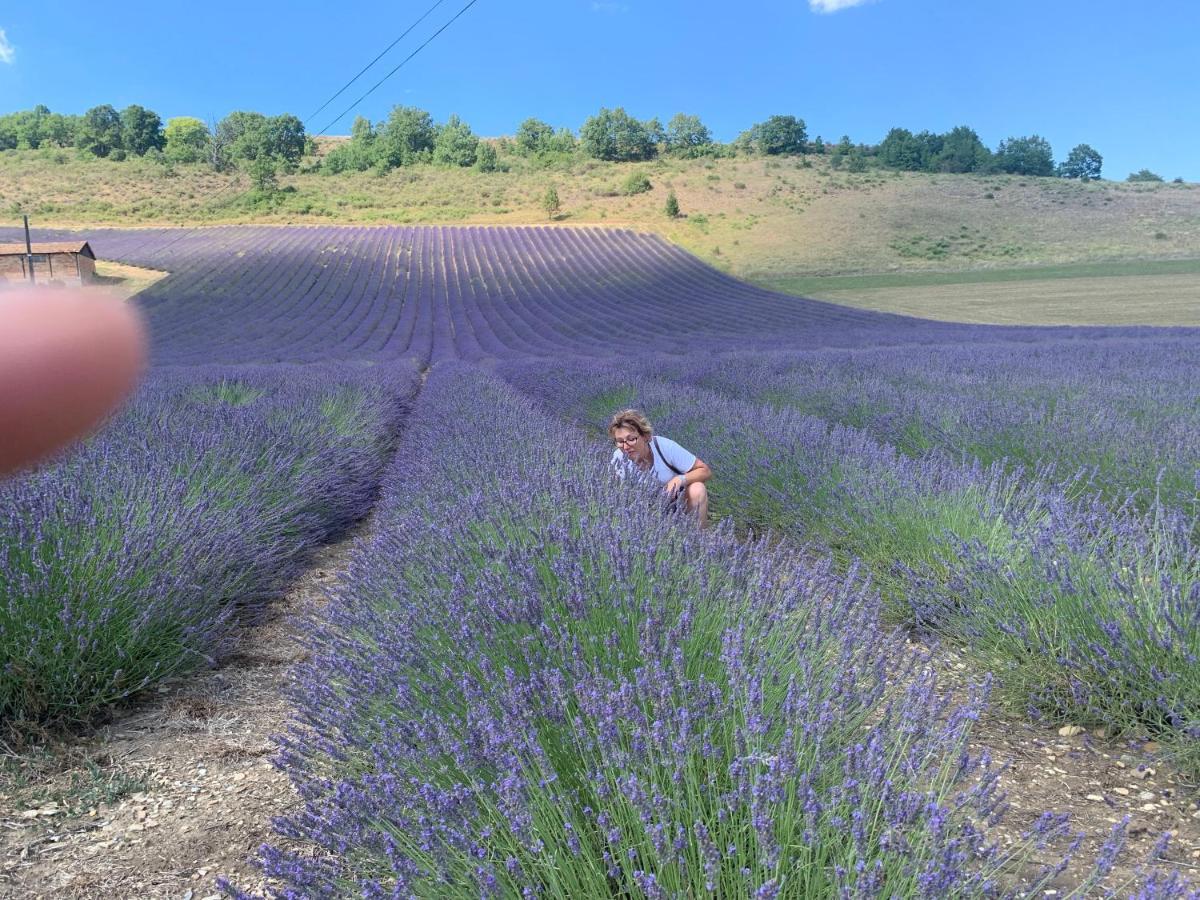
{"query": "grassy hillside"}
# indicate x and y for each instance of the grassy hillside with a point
(785, 223)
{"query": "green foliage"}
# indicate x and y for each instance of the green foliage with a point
(962, 151)
(777, 135)
(407, 137)
(672, 207)
(959, 150)
(550, 202)
(636, 183)
(186, 140)
(356, 155)
(247, 136)
(262, 171)
(1025, 156)
(1144, 175)
(687, 136)
(486, 158)
(1083, 163)
(616, 136)
(533, 137)
(99, 130)
(33, 128)
(141, 130)
(456, 144)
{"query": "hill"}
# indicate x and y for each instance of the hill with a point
(792, 224)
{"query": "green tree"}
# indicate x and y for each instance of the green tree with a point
(356, 155)
(962, 151)
(672, 207)
(550, 202)
(614, 135)
(687, 136)
(1083, 163)
(241, 134)
(262, 169)
(486, 159)
(99, 130)
(1025, 156)
(141, 130)
(282, 137)
(407, 137)
(777, 135)
(1144, 175)
(61, 130)
(900, 150)
(186, 140)
(456, 144)
(533, 137)
(562, 141)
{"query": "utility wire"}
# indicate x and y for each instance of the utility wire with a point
(386, 50)
(397, 69)
(232, 185)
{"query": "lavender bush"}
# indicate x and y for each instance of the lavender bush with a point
(1087, 613)
(122, 563)
(555, 687)
(1118, 408)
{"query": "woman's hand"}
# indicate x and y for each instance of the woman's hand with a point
(676, 485)
(67, 359)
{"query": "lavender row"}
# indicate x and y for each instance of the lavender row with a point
(262, 294)
(1122, 409)
(123, 563)
(538, 681)
(1058, 593)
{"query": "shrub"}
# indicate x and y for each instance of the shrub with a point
(1143, 175)
(636, 183)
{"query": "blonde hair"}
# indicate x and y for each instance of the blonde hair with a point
(630, 418)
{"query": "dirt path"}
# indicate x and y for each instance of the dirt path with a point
(174, 792)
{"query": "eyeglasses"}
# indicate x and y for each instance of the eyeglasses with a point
(626, 440)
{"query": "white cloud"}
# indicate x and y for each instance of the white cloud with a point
(7, 55)
(601, 7)
(832, 6)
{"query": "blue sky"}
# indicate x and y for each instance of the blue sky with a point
(1120, 76)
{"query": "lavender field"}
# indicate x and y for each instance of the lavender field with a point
(537, 681)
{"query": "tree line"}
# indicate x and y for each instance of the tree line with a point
(266, 145)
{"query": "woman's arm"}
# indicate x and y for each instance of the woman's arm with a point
(697, 474)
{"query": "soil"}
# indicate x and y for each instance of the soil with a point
(187, 773)
(181, 789)
(1098, 779)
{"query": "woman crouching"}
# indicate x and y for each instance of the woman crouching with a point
(680, 471)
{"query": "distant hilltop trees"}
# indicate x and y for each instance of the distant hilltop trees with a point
(266, 145)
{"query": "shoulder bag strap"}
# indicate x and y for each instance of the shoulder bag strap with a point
(654, 444)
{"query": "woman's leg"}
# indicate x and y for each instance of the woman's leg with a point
(697, 502)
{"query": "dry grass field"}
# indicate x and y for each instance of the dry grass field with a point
(786, 223)
(1123, 300)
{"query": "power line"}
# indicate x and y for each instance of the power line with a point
(356, 102)
(386, 50)
(397, 69)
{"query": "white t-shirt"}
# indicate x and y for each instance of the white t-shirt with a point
(681, 459)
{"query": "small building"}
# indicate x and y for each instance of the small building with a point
(59, 262)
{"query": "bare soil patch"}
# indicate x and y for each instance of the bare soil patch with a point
(1096, 778)
(173, 792)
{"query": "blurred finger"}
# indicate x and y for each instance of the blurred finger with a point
(67, 359)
